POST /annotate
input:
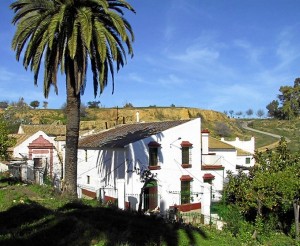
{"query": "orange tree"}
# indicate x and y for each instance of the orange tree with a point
(67, 35)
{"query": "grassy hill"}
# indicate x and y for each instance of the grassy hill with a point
(108, 117)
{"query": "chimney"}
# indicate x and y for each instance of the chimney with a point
(204, 138)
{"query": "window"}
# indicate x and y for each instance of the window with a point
(37, 162)
(186, 156)
(153, 155)
(248, 159)
(88, 179)
(185, 192)
(185, 189)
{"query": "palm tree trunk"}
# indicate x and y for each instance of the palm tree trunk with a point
(72, 135)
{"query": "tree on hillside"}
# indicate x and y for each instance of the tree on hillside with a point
(249, 112)
(273, 109)
(238, 113)
(67, 35)
(231, 112)
(45, 104)
(4, 104)
(35, 104)
(260, 113)
(288, 106)
(5, 140)
(128, 105)
(222, 129)
(93, 104)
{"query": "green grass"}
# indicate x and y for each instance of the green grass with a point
(285, 128)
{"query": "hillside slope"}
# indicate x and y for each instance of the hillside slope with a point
(109, 117)
(102, 118)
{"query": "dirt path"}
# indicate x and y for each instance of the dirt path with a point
(244, 124)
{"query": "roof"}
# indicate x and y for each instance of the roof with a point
(214, 143)
(50, 130)
(20, 138)
(241, 152)
(123, 135)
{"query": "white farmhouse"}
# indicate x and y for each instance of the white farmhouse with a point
(40, 147)
(111, 162)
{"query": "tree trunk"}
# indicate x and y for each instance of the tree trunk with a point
(296, 213)
(72, 134)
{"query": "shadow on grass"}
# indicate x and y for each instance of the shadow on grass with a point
(79, 224)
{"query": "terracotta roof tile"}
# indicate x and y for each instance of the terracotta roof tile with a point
(214, 143)
(20, 138)
(122, 135)
(50, 130)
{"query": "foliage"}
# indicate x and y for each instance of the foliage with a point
(93, 104)
(239, 113)
(288, 106)
(249, 112)
(128, 105)
(4, 104)
(35, 104)
(5, 140)
(260, 113)
(222, 129)
(269, 190)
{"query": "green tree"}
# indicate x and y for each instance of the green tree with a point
(35, 104)
(288, 106)
(128, 105)
(273, 109)
(5, 140)
(93, 104)
(272, 187)
(68, 35)
(249, 112)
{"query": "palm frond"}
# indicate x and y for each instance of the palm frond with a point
(85, 20)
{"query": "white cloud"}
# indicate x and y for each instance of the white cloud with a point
(197, 54)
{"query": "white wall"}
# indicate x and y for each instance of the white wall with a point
(103, 167)
(22, 151)
(168, 176)
(248, 146)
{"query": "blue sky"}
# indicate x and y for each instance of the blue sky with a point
(209, 54)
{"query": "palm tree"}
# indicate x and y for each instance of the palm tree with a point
(67, 35)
